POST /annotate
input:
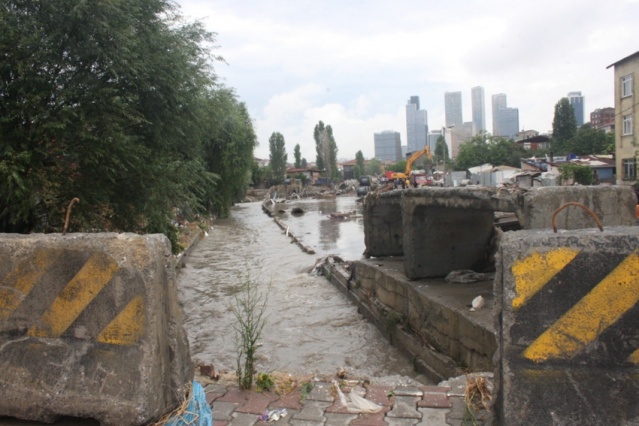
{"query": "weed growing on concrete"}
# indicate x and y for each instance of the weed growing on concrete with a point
(264, 382)
(306, 389)
(249, 308)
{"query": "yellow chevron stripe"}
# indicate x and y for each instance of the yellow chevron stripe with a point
(634, 357)
(127, 327)
(19, 282)
(534, 272)
(75, 297)
(594, 313)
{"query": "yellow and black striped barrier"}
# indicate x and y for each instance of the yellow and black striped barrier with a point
(568, 316)
(91, 317)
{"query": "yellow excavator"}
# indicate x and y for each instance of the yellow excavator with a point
(410, 161)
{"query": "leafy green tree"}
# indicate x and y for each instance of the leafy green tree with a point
(588, 141)
(304, 163)
(326, 149)
(485, 148)
(115, 103)
(399, 166)
(374, 167)
(228, 149)
(359, 164)
(100, 101)
(278, 156)
(441, 150)
(564, 126)
(298, 156)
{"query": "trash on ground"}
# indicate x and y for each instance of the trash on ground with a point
(478, 303)
(357, 404)
(272, 415)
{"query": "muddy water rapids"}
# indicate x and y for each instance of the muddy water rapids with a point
(311, 327)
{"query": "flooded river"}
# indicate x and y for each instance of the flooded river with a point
(311, 326)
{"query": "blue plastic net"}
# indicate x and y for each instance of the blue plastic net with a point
(197, 413)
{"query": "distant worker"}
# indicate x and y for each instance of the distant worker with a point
(395, 183)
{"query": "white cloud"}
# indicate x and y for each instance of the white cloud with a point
(354, 67)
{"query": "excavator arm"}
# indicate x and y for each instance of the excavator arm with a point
(415, 156)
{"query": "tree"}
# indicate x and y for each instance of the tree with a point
(298, 156)
(326, 149)
(441, 150)
(102, 101)
(374, 167)
(278, 156)
(564, 126)
(359, 164)
(228, 149)
(588, 141)
(304, 163)
(485, 148)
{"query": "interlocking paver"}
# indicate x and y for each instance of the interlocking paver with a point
(222, 410)
(434, 400)
(379, 394)
(433, 416)
(312, 411)
(256, 402)
(375, 419)
(404, 407)
(339, 419)
(321, 392)
(243, 419)
(401, 422)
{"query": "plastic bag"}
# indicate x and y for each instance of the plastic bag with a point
(197, 413)
(357, 404)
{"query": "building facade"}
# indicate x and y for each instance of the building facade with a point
(577, 102)
(478, 103)
(453, 109)
(505, 119)
(627, 120)
(416, 125)
(388, 146)
(603, 119)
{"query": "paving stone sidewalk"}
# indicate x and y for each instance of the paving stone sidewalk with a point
(402, 405)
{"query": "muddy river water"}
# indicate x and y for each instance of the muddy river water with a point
(311, 327)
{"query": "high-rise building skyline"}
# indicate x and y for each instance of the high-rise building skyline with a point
(505, 119)
(453, 109)
(577, 102)
(388, 146)
(478, 104)
(416, 125)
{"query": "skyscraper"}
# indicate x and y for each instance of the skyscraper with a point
(388, 146)
(577, 102)
(416, 125)
(453, 107)
(479, 109)
(505, 119)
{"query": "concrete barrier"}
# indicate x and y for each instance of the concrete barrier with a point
(439, 230)
(90, 326)
(613, 205)
(567, 309)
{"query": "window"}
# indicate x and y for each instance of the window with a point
(627, 125)
(626, 85)
(629, 168)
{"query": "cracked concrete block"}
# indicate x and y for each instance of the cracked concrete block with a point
(90, 326)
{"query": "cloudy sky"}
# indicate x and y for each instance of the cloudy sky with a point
(354, 64)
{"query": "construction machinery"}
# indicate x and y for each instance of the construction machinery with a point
(409, 163)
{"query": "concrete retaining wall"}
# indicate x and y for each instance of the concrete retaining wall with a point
(90, 326)
(427, 319)
(567, 309)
